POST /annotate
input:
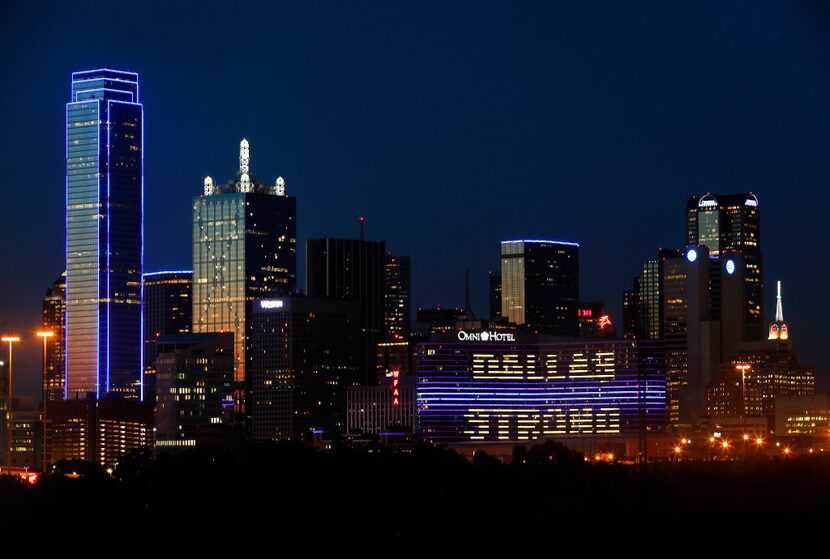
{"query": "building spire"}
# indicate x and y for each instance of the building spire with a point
(779, 308)
(244, 157)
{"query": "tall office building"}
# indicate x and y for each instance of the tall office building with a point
(352, 270)
(398, 297)
(54, 320)
(651, 294)
(732, 223)
(632, 327)
(194, 377)
(540, 285)
(306, 352)
(244, 248)
(167, 310)
(104, 234)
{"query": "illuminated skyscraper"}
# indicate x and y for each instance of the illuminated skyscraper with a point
(540, 285)
(398, 318)
(54, 320)
(732, 223)
(244, 248)
(167, 310)
(104, 234)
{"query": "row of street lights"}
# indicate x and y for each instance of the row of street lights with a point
(11, 340)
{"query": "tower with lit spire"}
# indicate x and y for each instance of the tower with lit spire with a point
(244, 249)
(778, 328)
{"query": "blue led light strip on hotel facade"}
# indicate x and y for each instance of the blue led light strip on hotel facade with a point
(513, 392)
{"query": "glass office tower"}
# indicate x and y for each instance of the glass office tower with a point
(104, 234)
(540, 285)
(244, 249)
(732, 223)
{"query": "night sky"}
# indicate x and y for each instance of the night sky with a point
(449, 127)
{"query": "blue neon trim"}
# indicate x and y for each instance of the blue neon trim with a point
(130, 93)
(66, 253)
(141, 264)
(109, 247)
(149, 274)
(98, 271)
(569, 243)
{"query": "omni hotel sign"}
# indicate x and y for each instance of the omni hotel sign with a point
(486, 336)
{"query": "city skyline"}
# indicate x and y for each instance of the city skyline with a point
(332, 209)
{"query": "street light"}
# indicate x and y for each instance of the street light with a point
(45, 336)
(10, 340)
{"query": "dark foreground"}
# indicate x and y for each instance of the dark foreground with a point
(289, 495)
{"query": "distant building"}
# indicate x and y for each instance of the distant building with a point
(759, 374)
(803, 416)
(398, 294)
(379, 409)
(495, 295)
(99, 431)
(732, 223)
(244, 249)
(651, 294)
(194, 377)
(26, 434)
(352, 270)
(540, 285)
(54, 320)
(495, 385)
(306, 354)
(168, 309)
(594, 321)
(395, 356)
(632, 326)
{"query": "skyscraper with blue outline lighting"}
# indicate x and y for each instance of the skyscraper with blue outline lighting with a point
(104, 235)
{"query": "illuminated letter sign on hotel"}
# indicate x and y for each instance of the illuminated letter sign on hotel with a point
(270, 304)
(485, 336)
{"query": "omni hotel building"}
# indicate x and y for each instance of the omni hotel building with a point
(514, 386)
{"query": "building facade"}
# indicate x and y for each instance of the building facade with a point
(381, 409)
(194, 378)
(306, 354)
(54, 320)
(540, 285)
(501, 386)
(732, 223)
(244, 249)
(352, 270)
(99, 431)
(398, 291)
(167, 310)
(104, 235)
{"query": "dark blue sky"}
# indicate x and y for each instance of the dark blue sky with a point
(450, 127)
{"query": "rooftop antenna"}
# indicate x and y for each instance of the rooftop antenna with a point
(779, 307)
(362, 221)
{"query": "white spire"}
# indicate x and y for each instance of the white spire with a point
(245, 183)
(244, 156)
(779, 308)
(279, 187)
(209, 189)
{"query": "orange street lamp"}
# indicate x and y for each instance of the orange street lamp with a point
(10, 340)
(759, 441)
(45, 336)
